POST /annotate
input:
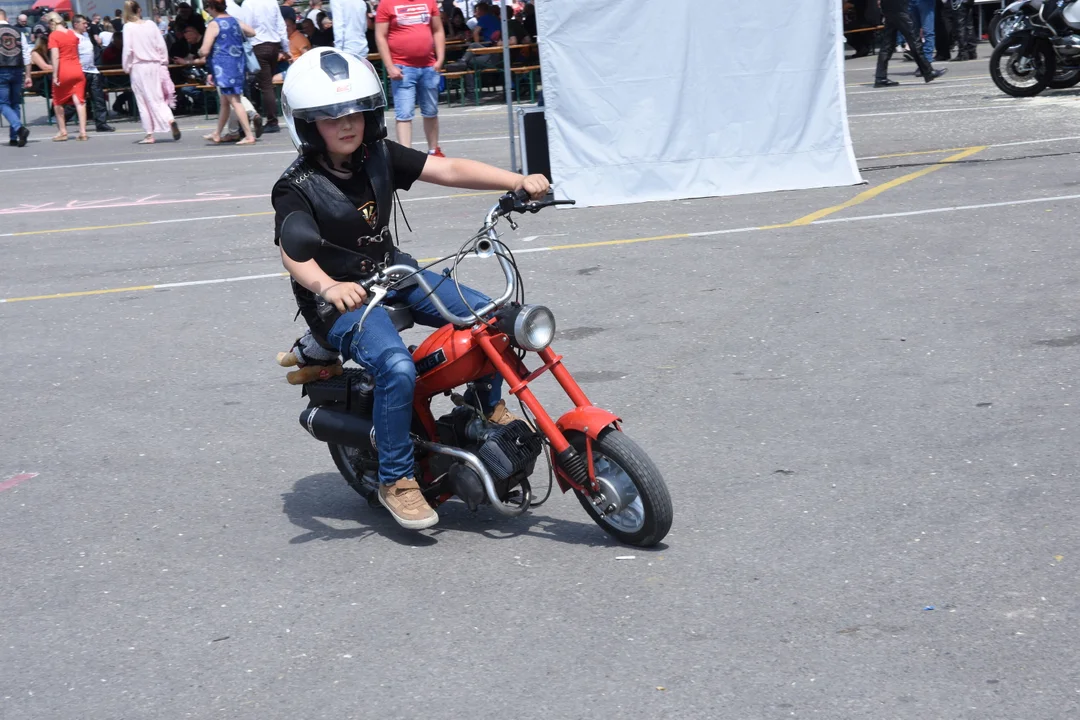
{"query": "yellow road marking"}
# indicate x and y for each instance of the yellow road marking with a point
(82, 293)
(628, 241)
(121, 225)
(914, 152)
(878, 190)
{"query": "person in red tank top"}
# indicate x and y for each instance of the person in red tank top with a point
(412, 43)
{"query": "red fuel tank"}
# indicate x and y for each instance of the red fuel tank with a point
(451, 357)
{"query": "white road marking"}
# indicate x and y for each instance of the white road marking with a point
(940, 110)
(921, 86)
(706, 233)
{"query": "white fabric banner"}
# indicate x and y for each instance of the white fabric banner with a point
(667, 99)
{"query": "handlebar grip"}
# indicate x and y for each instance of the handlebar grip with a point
(323, 308)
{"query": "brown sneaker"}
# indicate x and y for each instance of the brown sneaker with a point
(408, 506)
(501, 416)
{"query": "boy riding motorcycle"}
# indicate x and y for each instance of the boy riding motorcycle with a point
(344, 179)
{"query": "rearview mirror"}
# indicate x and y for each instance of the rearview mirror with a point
(300, 238)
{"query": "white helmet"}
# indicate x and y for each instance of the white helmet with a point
(325, 83)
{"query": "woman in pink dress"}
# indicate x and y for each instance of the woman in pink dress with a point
(146, 61)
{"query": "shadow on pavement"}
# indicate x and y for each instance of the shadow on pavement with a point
(316, 499)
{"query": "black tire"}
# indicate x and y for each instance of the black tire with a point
(992, 30)
(1042, 67)
(656, 511)
(1064, 79)
(348, 464)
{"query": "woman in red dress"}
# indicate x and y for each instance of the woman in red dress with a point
(69, 83)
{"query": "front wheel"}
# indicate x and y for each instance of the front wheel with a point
(629, 479)
(1022, 74)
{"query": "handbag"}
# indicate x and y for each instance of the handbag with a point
(249, 57)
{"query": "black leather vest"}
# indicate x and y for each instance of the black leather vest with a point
(341, 222)
(10, 47)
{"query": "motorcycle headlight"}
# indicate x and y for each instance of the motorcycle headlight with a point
(533, 328)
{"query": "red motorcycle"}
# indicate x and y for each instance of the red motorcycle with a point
(463, 454)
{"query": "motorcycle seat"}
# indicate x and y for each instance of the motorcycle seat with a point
(400, 315)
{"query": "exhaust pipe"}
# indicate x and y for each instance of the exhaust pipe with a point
(334, 426)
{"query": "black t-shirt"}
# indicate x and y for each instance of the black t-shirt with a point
(406, 165)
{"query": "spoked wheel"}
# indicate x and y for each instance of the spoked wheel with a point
(350, 464)
(629, 480)
(1002, 26)
(1021, 75)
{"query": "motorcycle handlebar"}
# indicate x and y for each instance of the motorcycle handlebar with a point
(511, 202)
(520, 202)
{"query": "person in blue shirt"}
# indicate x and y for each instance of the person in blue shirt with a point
(487, 23)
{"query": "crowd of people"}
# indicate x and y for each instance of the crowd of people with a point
(928, 31)
(243, 49)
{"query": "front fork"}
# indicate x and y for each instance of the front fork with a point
(572, 469)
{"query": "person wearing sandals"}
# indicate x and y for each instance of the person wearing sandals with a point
(146, 61)
(69, 83)
(224, 45)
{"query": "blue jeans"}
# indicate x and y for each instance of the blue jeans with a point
(922, 13)
(11, 87)
(417, 85)
(379, 349)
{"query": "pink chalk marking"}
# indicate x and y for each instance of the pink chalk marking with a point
(80, 204)
(13, 481)
(23, 210)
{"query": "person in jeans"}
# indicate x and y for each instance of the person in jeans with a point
(14, 77)
(271, 45)
(412, 44)
(343, 183)
(897, 20)
(922, 13)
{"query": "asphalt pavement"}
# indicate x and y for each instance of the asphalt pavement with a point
(862, 399)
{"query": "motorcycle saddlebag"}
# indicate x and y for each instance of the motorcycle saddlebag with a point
(354, 389)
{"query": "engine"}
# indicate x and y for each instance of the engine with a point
(508, 452)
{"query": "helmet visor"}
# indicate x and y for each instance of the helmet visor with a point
(341, 109)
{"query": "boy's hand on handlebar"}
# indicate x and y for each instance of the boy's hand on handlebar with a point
(536, 185)
(345, 296)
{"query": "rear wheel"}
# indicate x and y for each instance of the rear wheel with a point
(350, 463)
(1002, 26)
(1064, 79)
(630, 480)
(1021, 74)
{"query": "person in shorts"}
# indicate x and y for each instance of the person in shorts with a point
(412, 43)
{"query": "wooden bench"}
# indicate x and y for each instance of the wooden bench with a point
(865, 29)
(531, 70)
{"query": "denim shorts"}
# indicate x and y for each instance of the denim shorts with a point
(417, 85)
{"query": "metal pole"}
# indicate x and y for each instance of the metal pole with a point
(507, 77)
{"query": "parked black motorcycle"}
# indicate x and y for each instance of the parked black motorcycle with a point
(1005, 22)
(1041, 52)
